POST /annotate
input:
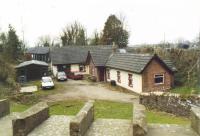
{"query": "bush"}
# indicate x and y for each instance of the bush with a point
(7, 78)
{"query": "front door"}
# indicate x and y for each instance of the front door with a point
(101, 73)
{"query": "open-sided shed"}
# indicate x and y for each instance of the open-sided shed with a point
(32, 70)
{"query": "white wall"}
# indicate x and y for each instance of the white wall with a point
(137, 80)
(54, 70)
(74, 67)
(87, 68)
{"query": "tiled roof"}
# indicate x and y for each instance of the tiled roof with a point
(38, 50)
(35, 62)
(78, 54)
(133, 62)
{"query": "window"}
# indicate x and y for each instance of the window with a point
(118, 77)
(130, 80)
(82, 68)
(159, 79)
(108, 73)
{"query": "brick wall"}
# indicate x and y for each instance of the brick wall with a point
(155, 67)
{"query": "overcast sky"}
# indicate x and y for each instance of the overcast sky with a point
(147, 20)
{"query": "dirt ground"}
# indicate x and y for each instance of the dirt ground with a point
(85, 90)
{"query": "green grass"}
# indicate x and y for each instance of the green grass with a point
(65, 107)
(186, 90)
(105, 109)
(165, 118)
(16, 107)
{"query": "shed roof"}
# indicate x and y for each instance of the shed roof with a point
(35, 62)
(135, 62)
(38, 50)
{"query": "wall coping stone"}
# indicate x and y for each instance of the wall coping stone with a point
(4, 107)
(195, 119)
(139, 120)
(82, 121)
(26, 121)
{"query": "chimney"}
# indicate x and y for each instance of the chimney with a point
(114, 48)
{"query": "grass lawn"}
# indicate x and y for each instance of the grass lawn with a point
(163, 118)
(186, 90)
(105, 109)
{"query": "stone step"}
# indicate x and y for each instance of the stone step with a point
(56, 125)
(110, 127)
(170, 130)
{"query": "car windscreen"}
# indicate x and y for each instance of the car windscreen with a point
(46, 80)
(61, 74)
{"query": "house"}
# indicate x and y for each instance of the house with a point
(140, 73)
(32, 69)
(38, 53)
(97, 60)
(73, 58)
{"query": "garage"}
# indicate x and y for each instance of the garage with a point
(31, 70)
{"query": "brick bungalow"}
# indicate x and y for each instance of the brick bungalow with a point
(140, 73)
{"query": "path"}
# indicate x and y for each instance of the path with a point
(82, 89)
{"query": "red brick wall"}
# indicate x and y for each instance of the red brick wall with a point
(155, 67)
(92, 69)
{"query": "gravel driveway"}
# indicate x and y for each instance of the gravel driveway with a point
(85, 90)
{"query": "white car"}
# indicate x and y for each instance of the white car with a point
(47, 83)
(61, 76)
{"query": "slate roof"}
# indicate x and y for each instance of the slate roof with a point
(38, 50)
(78, 54)
(36, 62)
(100, 57)
(133, 62)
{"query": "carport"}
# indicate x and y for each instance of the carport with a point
(32, 70)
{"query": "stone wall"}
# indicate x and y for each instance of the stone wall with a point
(82, 121)
(31, 118)
(195, 119)
(171, 103)
(139, 120)
(4, 107)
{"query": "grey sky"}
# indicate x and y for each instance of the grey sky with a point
(147, 20)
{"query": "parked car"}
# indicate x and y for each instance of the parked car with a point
(61, 76)
(75, 76)
(47, 83)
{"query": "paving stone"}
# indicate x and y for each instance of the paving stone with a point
(110, 127)
(170, 130)
(56, 125)
(6, 124)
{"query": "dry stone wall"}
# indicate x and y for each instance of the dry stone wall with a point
(171, 103)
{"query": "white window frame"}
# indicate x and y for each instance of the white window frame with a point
(163, 75)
